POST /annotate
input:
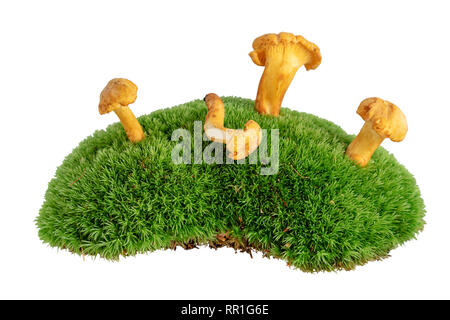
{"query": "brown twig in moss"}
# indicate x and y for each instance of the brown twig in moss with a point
(298, 173)
(82, 175)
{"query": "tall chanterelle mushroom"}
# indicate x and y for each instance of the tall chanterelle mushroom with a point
(116, 96)
(282, 55)
(239, 143)
(383, 120)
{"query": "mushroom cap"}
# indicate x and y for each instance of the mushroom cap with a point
(387, 119)
(263, 43)
(117, 93)
(241, 143)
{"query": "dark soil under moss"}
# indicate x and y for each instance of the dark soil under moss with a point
(319, 212)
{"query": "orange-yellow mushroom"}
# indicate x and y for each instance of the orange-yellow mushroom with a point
(116, 96)
(239, 143)
(281, 55)
(383, 120)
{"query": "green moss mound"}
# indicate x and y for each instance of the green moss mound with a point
(319, 212)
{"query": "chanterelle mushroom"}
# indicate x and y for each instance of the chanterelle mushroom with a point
(383, 120)
(239, 143)
(116, 96)
(282, 55)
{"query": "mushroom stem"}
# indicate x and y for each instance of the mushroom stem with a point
(130, 124)
(272, 87)
(366, 142)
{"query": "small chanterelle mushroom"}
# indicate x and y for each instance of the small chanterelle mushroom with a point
(282, 55)
(116, 96)
(239, 143)
(383, 120)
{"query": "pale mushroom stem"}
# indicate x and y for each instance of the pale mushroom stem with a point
(130, 124)
(366, 142)
(273, 85)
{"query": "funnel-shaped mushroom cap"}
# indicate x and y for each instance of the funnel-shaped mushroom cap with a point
(300, 50)
(387, 119)
(243, 142)
(117, 93)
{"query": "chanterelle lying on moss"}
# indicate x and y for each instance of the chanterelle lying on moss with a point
(240, 143)
(282, 55)
(116, 96)
(383, 120)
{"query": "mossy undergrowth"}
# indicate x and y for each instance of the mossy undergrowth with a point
(319, 212)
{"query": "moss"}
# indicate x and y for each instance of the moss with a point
(319, 212)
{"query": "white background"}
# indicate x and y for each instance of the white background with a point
(56, 56)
